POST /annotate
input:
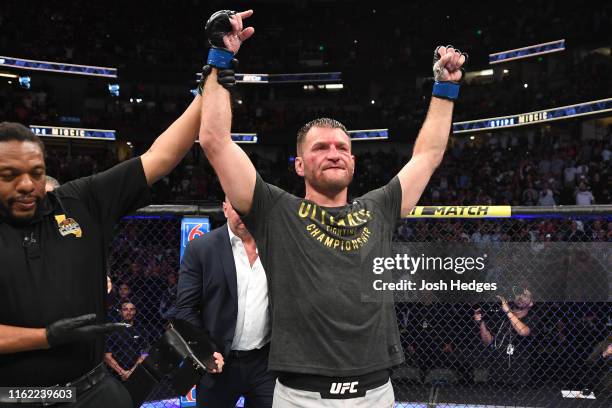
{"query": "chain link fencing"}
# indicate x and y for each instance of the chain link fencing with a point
(460, 351)
(467, 351)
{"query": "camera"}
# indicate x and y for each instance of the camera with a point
(492, 311)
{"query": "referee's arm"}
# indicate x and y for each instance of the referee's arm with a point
(171, 146)
(15, 339)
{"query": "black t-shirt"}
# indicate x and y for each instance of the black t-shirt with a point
(507, 342)
(317, 261)
(127, 346)
(60, 271)
(509, 358)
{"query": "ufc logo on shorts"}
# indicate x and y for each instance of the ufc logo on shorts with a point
(341, 388)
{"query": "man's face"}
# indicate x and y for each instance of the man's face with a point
(233, 219)
(135, 268)
(523, 301)
(22, 179)
(326, 162)
(128, 311)
(124, 291)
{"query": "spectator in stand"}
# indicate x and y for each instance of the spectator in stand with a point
(126, 349)
(124, 294)
(605, 154)
(51, 183)
(569, 174)
(167, 304)
(584, 195)
(530, 195)
(576, 232)
(546, 198)
(582, 172)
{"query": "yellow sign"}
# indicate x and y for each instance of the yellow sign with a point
(466, 211)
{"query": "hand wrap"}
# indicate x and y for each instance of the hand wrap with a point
(446, 89)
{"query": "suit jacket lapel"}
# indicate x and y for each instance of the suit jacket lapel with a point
(229, 266)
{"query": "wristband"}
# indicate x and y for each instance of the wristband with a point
(220, 58)
(446, 90)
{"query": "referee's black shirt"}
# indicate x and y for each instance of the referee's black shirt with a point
(55, 267)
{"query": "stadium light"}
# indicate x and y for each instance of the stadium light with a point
(113, 89)
(25, 82)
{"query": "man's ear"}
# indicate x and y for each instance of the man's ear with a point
(299, 166)
(225, 209)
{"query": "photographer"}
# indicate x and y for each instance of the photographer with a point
(508, 339)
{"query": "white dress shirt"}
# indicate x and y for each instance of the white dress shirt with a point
(253, 320)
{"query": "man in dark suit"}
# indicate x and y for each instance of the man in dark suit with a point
(222, 288)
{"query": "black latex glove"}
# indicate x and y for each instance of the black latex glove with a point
(80, 328)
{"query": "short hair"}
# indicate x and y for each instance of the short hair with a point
(321, 123)
(10, 131)
(52, 181)
(127, 302)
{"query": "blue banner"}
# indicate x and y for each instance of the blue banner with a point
(35, 65)
(308, 77)
(241, 138)
(73, 133)
(244, 137)
(530, 118)
(369, 134)
(526, 52)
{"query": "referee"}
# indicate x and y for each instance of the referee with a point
(53, 248)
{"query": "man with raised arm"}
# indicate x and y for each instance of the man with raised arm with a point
(53, 249)
(330, 341)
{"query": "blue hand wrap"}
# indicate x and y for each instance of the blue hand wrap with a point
(220, 58)
(446, 90)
